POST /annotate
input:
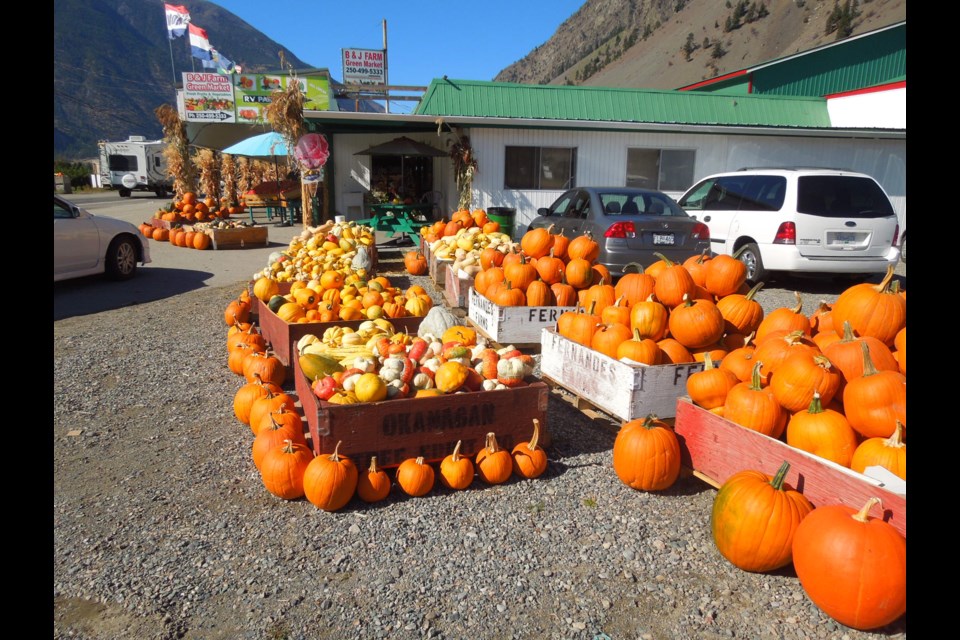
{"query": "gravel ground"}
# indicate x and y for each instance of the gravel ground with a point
(162, 527)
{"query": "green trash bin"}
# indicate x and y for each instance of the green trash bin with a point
(505, 216)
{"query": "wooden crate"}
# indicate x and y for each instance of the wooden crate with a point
(622, 390)
(519, 326)
(283, 336)
(438, 270)
(716, 448)
(394, 430)
(455, 288)
(237, 238)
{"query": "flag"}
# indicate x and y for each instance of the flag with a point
(177, 20)
(223, 64)
(199, 43)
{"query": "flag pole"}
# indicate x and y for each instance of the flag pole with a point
(172, 67)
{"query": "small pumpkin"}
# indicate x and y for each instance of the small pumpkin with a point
(755, 517)
(456, 471)
(283, 468)
(529, 458)
(646, 454)
(450, 376)
(753, 406)
(415, 477)
(889, 453)
(709, 388)
(415, 263)
(329, 481)
(494, 465)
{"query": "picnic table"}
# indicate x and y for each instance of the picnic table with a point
(399, 218)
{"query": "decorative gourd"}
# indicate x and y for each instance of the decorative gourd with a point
(875, 401)
(494, 465)
(265, 288)
(646, 454)
(852, 566)
(889, 453)
(329, 481)
(823, 432)
(456, 471)
(709, 388)
(753, 406)
(415, 477)
(872, 310)
(450, 376)
(437, 321)
(283, 468)
(370, 387)
(415, 263)
(529, 458)
(755, 517)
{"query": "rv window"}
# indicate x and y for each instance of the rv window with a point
(123, 163)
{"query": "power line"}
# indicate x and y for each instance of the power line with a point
(92, 107)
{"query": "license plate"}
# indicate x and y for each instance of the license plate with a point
(845, 238)
(663, 238)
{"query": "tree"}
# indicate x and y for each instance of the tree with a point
(688, 47)
(718, 51)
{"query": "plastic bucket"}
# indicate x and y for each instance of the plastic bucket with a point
(505, 216)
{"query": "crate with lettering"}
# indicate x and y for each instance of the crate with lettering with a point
(627, 391)
(455, 287)
(510, 325)
(715, 448)
(394, 430)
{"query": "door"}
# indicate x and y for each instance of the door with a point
(76, 241)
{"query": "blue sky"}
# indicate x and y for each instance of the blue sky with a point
(426, 39)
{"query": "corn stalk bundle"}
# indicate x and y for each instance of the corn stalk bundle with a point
(228, 169)
(245, 174)
(464, 167)
(206, 162)
(177, 151)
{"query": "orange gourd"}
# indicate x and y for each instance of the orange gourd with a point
(824, 432)
(709, 388)
(283, 468)
(889, 453)
(876, 401)
(415, 477)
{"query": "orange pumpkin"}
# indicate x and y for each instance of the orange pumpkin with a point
(646, 454)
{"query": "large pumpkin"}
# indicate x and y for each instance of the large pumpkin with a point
(415, 263)
(872, 310)
(754, 519)
(852, 566)
(330, 480)
(283, 468)
(646, 454)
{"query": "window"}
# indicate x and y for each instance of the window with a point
(738, 193)
(540, 167)
(842, 196)
(662, 169)
(123, 163)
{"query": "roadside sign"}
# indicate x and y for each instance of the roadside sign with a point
(364, 66)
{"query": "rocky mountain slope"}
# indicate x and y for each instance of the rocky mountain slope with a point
(667, 44)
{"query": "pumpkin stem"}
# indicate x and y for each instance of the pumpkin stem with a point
(755, 377)
(815, 405)
(419, 460)
(753, 291)
(491, 444)
(455, 456)
(885, 283)
(778, 479)
(650, 421)
(532, 445)
(288, 446)
(896, 438)
(848, 332)
(638, 266)
(799, 307)
(868, 367)
(707, 361)
(373, 465)
(335, 456)
(665, 259)
(861, 516)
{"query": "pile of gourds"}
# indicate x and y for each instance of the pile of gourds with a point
(459, 220)
(333, 246)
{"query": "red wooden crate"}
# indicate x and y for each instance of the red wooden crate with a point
(717, 448)
(394, 430)
(283, 336)
(455, 288)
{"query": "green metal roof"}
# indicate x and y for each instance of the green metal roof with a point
(474, 98)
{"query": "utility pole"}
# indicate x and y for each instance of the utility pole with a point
(386, 84)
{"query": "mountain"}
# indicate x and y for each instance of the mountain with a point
(667, 44)
(112, 66)
(112, 58)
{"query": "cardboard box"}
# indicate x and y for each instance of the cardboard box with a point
(716, 448)
(455, 288)
(283, 336)
(519, 326)
(626, 391)
(394, 430)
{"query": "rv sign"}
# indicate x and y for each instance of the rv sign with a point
(364, 66)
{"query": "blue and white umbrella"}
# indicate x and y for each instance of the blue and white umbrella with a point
(265, 145)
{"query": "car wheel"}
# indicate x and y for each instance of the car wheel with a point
(750, 256)
(160, 193)
(125, 193)
(121, 260)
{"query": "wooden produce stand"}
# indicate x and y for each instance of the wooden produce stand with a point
(626, 391)
(519, 326)
(394, 430)
(237, 237)
(716, 448)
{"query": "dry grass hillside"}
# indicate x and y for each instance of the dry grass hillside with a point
(588, 49)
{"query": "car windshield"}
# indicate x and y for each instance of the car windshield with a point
(627, 204)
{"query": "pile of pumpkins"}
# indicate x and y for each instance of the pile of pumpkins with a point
(461, 241)
(186, 210)
(332, 246)
(832, 383)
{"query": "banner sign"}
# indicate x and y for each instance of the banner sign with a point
(243, 97)
(208, 97)
(364, 66)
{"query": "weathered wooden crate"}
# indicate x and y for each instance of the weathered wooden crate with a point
(438, 270)
(622, 390)
(283, 336)
(237, 238)
(716, 448)
(455, 288)
(157, 223)
(394, 430)
(519, 326)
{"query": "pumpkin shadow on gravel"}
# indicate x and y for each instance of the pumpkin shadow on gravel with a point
(94, 294)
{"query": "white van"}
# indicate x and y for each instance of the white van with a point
(798, 221)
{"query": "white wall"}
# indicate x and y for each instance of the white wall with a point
(876, 109)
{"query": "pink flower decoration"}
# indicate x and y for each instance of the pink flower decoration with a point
(312, 150)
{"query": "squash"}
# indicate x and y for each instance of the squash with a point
(437, 321)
